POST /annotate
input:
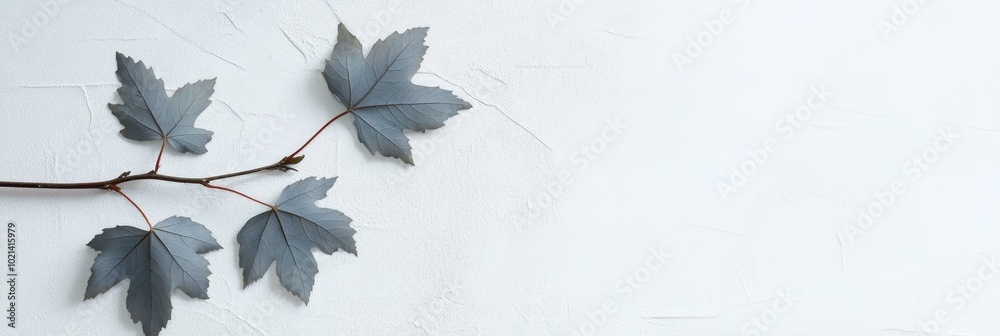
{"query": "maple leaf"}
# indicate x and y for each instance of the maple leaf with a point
(147, 113)
(155, 262)
(378, 92)
(288, 232)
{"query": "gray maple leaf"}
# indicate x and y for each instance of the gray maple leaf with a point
(147, 113)
(287, 233)
(155, 263)
(378, 92)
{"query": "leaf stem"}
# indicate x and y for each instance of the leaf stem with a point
(289, 158)
(163, 146)
(125, 177)
(207, 185)
(143, 213)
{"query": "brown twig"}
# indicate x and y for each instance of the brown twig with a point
(124, 178)
(283, 165)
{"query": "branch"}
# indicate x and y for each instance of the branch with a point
(125, 178)
(283, 165)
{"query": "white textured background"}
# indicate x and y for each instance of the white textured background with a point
(529, 214)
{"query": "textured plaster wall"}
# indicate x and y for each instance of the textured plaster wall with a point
(629, 168)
